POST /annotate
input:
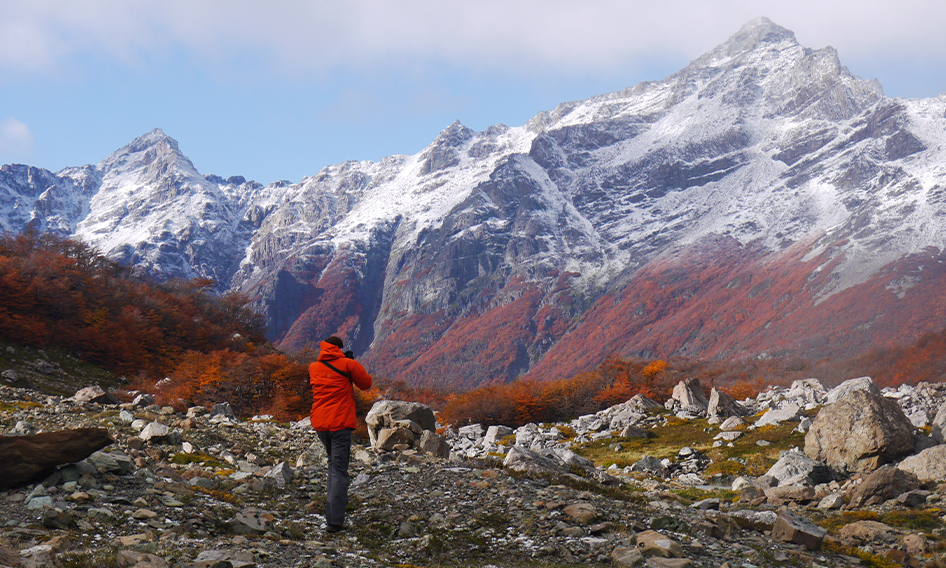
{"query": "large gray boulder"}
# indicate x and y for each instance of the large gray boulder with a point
(789, 412)
(391, 414)
(722, 406)
(795, 468)
(860, 432)
(531, 461)
(849, 386)
(928, 465)
(93, 394)
(884, 484)
(688, 397)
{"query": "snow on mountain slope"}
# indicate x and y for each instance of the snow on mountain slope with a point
(488, 253)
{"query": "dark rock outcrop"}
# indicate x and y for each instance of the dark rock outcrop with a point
(22, 458)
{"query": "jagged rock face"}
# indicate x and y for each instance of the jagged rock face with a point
(721, 211)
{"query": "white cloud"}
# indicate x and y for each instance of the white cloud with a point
(16, 141)
(514, 36)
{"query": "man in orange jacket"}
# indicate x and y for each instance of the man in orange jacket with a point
(333, 418)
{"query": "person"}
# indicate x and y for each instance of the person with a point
(333, 418)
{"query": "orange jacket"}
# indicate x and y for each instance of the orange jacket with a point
(333, 398)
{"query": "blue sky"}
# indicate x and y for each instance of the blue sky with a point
(279, 89)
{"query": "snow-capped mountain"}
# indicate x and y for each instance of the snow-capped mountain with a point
(761, 200)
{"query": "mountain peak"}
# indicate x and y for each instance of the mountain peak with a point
(760, 31)
(154, 145)
(154, 138)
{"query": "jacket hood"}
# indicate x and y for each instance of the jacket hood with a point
(329, 352)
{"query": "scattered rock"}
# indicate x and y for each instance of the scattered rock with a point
(217, 558)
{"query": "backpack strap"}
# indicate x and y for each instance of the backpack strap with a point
(339, 371)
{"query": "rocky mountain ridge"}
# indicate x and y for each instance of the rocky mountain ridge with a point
(761, 201)
(193, 489)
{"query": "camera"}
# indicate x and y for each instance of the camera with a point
(350, 354)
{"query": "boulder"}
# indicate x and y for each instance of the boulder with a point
(652, 543)
(111, 462)
(795, 468)
(24, 457)
(386, 413)
(884, 484)
(859, 384)
(939, 425)
(860, 432)
(531, 461)
(314, 454)
(650, 464)
(721, 406)
(790, 527)
(688, 396)
(494, 434)
(281, 473)
(155, 432)
(790, 411)
(928, 465)
(860, 533)
(434, 444)
(93, 394)
(789, 494)
(251, 521)
(807, 392)
(389, 438)
(626, 557)
(223, 409)
(581, 513)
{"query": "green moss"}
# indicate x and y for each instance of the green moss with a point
(182, 458)
(917, 520)
(834, 524)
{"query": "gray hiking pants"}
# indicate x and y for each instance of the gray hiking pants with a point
(338, 447)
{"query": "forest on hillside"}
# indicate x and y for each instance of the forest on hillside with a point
(178, 340)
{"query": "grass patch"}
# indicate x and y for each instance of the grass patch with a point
(182, 458)
(926, 520)
(867, 558)
(745, 457)
(694, 494)
(918, 520)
